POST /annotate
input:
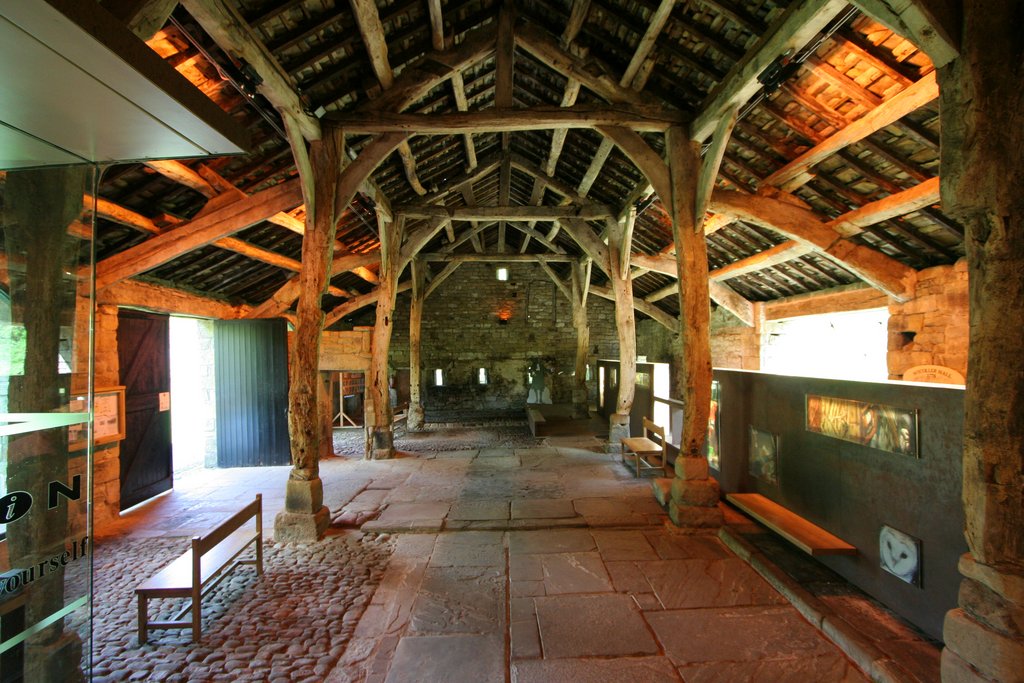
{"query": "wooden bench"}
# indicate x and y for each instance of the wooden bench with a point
(810, 538)
(201, 568)
(536, 421)
(644, 453)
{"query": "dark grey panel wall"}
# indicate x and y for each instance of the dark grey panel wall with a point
(251, 361)
(852, 490)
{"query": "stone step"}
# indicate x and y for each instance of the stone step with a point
(662, 489)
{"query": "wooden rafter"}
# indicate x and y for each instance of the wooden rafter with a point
(590, 211)
(199, 232)
(372, 32)
(917, 95)
(936, 35)
(642, 118)
(803, 226)
(226, 26)
(800, 22)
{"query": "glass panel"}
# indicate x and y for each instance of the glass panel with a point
(45, 430)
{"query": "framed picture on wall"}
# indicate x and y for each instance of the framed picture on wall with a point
(763, 461)
(108, 419)
(900, 554)
(712, 444)
(886, 428)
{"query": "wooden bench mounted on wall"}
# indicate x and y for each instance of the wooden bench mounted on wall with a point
(806, 536)
(200, 568)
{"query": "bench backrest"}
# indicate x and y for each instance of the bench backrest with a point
(650, 426)
(202, 544)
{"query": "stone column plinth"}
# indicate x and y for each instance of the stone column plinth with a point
(618, 429)
(414, 419)
(985, 635)
(695, 495)
(305, 518)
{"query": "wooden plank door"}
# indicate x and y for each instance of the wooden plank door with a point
(143, 349)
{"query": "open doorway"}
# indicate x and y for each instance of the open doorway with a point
(347, 389)
(193, 409)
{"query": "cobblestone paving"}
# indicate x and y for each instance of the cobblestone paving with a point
(292, 624)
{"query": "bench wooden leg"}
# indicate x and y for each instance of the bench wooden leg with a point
(197, 615)
(143, 619)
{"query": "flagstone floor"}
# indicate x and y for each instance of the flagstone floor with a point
(547, 563)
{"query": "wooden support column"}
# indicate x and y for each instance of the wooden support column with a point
(982, 110)
(39, 206)
(381, 444)
(695, 495)
(414, 421)
(305, 517)
(580, 289)
(625, 323)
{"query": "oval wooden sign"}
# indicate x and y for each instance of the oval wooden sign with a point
(933, 373)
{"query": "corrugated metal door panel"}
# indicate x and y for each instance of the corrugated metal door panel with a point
(251, 361)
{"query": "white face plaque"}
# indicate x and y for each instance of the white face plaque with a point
(900, 554)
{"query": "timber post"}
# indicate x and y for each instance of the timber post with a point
(382, 435)
(695, 494)
(625, 323)
(981, 105)
(41, 203)
(305, 517)
(580, 285)
(414, 421)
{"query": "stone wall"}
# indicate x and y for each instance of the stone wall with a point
(932, 328)
(461, 333)
(654, 340)
(106, 477)
(733, 344)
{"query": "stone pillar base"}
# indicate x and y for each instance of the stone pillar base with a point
(580, 407)
(618, 429)
(382, 443)
(983, 651)
(414, 419)
(301, 527)
(304, 496)
(57, 661)
(693, 517)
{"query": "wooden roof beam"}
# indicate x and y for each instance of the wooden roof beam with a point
(475, 214)
(160, 299)
(183, 175)
(362, 301)
(643, 118)
(896, 107)
(650, 310)
(594, 77)
(445, 257)
(800, 23)
(899, 204)
(802, 225)
(281, 300)
(721, 294)
(928, 24)
(217, 223)
(230, 31)
(372, 32)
